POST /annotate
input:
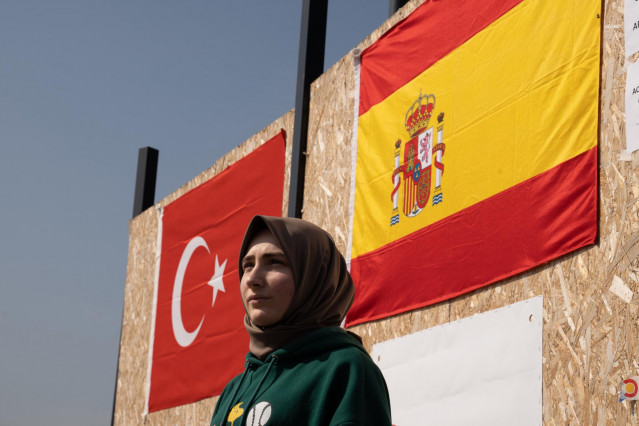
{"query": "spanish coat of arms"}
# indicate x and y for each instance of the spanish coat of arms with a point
(421, 153)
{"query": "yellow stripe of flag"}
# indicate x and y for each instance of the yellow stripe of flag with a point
(512, 98)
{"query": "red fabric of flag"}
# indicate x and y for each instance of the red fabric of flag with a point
(495, 239)
(199, 339)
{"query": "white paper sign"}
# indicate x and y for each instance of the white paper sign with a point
(481, 370)
(631, 26)
(632, 107)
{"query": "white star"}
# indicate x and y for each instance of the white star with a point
(216, 280)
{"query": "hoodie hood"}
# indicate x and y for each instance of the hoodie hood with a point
(324, 340)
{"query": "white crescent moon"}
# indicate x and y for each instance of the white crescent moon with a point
(183, 337)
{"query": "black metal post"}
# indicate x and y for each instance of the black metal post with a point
(310, 66)
(145, 181)
(395, 5)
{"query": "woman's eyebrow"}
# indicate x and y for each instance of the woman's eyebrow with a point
(270, 255)
(267, 255)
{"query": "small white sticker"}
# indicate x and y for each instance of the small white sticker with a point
(632, 107)
(631, 26)
(620, 288)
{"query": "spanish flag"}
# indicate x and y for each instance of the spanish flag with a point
(476, 148)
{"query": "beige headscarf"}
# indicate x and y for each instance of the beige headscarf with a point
(324, 289)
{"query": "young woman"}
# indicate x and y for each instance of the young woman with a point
(302, 367)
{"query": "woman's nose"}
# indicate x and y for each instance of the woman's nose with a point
(255, 277)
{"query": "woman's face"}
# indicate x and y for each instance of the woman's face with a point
(267, 285)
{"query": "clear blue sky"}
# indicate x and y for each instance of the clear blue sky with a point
(83, 85)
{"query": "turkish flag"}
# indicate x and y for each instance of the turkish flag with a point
(199, 341)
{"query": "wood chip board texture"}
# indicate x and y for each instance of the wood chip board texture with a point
(590, 325)
(590, 333)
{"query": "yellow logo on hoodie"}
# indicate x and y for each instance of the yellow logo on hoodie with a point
(235, 413)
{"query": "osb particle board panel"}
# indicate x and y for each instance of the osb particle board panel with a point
(590, 309)
(138, 297)
(590, 333)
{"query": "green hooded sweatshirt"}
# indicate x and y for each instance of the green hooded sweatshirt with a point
(323, 378)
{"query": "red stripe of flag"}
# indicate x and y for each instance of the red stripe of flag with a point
(384, 67)
(528, 224)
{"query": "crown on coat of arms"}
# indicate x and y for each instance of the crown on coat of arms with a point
(418, 115)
